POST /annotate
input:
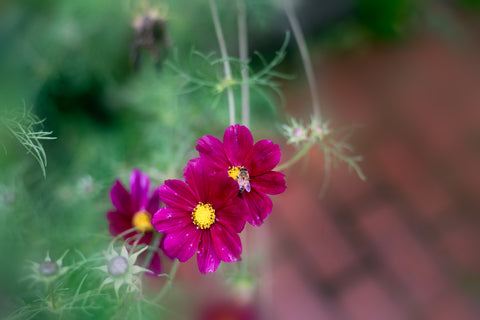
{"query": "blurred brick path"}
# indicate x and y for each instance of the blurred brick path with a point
(405, 244)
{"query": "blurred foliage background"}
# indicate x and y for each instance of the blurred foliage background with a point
(70, 63)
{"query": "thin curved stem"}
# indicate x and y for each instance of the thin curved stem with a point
(171, 276)
(243, 52)
(307, 62)
(296, 157)
(226, 63)
(120, 235)
(157, 237)
(52, 294)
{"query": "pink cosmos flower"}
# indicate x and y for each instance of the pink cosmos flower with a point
(203, 215)
(251, 165)
(134, 210)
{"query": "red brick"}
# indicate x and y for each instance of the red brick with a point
(346, 187)
(434, 90)
(471, 104)
(397, 162)
(288, 296)
(367, 300)
(468, 171)
(347, 100)
(403, 171)
(301, 213)
(462, 244)
(451, 305)
(436, 131)
(403, 253)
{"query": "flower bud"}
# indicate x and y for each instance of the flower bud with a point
(48, 268)
(117, 266)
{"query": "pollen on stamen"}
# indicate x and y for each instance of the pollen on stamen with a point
(142, 221)
(233, 172)
(203, 215)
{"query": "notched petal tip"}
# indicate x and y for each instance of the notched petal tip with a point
(264, 157)
(237, 142)
(140, 187)
(207, 259)
(272, 182)
(259, 207)
(177, 194)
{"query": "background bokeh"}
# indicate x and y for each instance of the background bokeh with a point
(402, 245)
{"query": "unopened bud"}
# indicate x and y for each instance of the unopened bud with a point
(48, 268)
(117, 266)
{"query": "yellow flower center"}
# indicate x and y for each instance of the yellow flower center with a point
(203, 215)
(142, 221)
(233, 172)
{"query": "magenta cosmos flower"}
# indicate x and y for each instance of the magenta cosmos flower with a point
(134, 210)
(203, 215)
(251, 165)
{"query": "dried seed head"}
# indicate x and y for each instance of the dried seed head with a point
(151, 36)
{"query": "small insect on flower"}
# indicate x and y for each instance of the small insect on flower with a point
(243, 180)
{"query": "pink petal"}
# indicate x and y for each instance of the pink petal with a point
(154, 202)
(183, 243)
(234, 214)
(168, 220)
(211, 149)
(207, 259)
(139, 186)
(121, 199)
(198, 176)
(162, 246)
(259, 206)
(119, 223)
(237, 142)
(228, 246)
(223, 189)
(272, 182)
(177, 194)
(263, 157)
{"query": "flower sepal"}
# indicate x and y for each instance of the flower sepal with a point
(122, 270)
(48, 270)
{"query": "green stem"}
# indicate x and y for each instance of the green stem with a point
(157, 236)
(226, 63)
(307, 62)
(52, 295)
(296, 157)
(122, 306)
(117, 237)
(243, 52)
(171, 277)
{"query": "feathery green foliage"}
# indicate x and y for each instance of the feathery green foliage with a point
(27, 129)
